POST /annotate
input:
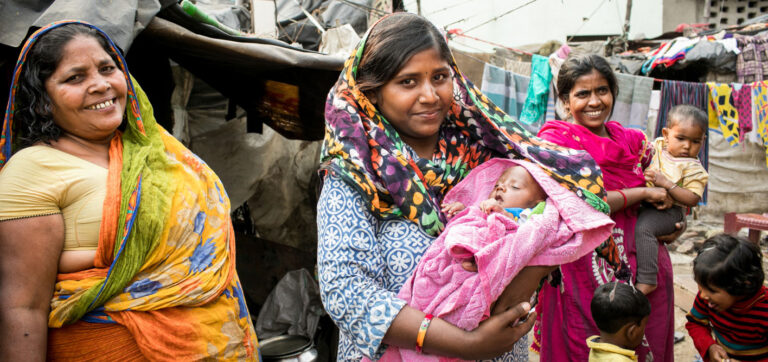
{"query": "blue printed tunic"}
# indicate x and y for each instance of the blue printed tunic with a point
(362, 263)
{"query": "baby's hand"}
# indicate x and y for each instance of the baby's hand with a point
(452, 209)
(657, 178)
(490, 205)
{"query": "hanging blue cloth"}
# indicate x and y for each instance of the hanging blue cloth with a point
(538, 90)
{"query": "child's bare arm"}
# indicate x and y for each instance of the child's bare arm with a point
(684, 196)
(679, 194)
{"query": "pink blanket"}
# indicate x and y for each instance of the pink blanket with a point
(567, 230)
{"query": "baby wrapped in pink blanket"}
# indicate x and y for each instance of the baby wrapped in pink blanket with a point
(566, 230)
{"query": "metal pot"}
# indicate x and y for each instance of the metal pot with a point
(288, 348)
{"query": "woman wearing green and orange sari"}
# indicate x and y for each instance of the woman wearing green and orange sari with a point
(115, 240)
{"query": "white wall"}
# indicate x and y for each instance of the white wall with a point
(540, 21)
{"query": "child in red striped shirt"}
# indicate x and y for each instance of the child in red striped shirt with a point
(732, 303)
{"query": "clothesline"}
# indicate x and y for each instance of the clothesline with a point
(458, 32)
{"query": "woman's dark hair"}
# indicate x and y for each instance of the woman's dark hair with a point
(615, 305)
(33, 116)
(391, 43)
(729, 263)
(577, 66)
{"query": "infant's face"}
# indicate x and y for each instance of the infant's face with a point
(516, 188)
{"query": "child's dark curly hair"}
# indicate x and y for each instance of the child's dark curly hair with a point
(729, 263)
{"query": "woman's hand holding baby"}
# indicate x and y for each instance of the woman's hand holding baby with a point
(679, 229)
(492, 338)
(499, 333)
(659, 197)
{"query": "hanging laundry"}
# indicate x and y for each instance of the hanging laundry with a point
(508, 91)
(631, 105)
(760, 101)
(742, 99)
(722, 112)
(718, 54)
(669, 53)
(653, 114)
(538, 91)
(752, 62)
(556, 61)
(677, 92)
(505, 89)
(551, 112)
(755, 137)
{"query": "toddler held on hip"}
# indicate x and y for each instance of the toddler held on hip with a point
(675, 167)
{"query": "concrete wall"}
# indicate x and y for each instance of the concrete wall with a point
(682, 11)
(738, 178)
(735, 12)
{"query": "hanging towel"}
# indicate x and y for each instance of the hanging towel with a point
(722, 111)
(742, 99)
(676, 92)
(538, 91)
(509, 90)
(633, 100)
(752, 62)
(760, 97)
(505, 89)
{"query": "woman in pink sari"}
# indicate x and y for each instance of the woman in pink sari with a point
(587, 87)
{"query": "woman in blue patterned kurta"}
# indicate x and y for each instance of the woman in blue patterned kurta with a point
(403, 127)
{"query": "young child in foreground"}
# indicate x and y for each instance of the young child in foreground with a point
(675, 167)
(732, 302)
(518, 225)
(621, 313)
